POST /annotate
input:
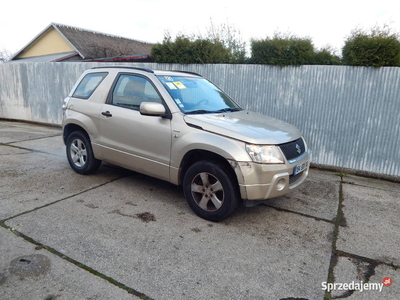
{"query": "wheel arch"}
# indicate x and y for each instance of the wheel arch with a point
(196, 155)
(70, 128)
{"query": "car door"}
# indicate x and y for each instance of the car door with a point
(129, 139)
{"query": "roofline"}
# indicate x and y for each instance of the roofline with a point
(34, 39)
(103, 33)
(54, 25)
(65, 38)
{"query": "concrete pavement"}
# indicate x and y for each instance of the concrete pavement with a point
(118, 234)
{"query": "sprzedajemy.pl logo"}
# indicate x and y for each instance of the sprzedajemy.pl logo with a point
(356, 286)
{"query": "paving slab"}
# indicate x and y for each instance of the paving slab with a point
(19, 131)
(364, 280)
(29, 180)
(140, 231)
(11, 150)
(372, 223)
(51, 145)
(318, 196)
(28, 273)
(372, 183)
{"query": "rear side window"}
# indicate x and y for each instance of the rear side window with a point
(130, 91)
(88, 85)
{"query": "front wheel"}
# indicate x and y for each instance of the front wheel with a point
(210, 191)
(80, 154)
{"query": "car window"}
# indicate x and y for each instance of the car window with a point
(130, 91)
(197, 95)
(88, 85)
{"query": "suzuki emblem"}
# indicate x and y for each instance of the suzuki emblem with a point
(298, 149)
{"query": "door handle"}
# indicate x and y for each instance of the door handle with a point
(106, 113)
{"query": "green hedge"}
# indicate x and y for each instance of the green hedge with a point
(184, 50)
(290, 50)
(378, 48)
(282, 51)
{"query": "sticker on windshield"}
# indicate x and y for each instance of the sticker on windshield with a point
(168, 78)
(171, 85)
(179, 103)
(179, 85)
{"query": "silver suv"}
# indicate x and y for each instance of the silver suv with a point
(179, 127)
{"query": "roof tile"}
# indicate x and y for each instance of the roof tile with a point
(92, 44)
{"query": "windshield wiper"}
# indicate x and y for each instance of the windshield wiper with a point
(203, 111)
(200, 111)
(228, 109)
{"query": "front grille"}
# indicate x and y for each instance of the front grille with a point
(293, 149)
(294, 178)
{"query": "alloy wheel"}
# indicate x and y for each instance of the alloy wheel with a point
(78, 153)
(207, 191)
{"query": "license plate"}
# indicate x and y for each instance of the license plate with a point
(300, 168)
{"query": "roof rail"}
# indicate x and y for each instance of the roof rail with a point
(122, 67)
(187, 72)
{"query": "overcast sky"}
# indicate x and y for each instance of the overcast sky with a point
(325, 22)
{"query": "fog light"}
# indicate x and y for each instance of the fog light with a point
(280, 185)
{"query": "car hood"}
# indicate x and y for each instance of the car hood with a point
(246, 126)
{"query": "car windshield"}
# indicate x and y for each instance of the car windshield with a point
(196, 95)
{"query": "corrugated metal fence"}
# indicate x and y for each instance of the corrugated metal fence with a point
(350, 116)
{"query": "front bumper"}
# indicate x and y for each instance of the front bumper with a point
(265, 181)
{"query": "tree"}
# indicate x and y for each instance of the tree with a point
(187, 50)
(222, 44)
(231, 38)
(282, 50)
(326, 56)
(377, 48)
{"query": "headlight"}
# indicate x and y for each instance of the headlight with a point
(265, 154)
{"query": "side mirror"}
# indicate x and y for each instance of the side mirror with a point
(152, 109)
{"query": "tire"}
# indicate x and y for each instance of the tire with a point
(80, 154)
(210, 190)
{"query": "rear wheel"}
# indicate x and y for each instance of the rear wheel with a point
(80, 154)
(210, 191)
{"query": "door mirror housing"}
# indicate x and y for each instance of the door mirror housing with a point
(152, 109)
